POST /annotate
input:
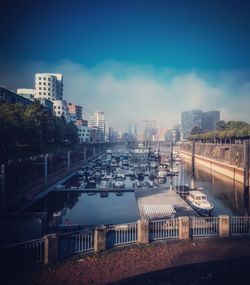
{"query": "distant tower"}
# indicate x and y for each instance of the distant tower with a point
(98, 120)
(189, 120)
(132, 131)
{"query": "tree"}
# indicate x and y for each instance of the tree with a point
(221, 125)
(195, 130)
(71, 134)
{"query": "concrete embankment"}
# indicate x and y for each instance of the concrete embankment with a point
(227, 170)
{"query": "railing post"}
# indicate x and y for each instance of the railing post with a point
(69, 161)
(193, 166)
(224, 225)
(100, 238)
(143, 231)
(3, 196)
(184, 228)
(46, 171)
(85, 153)
(246, 177)
(50, 248)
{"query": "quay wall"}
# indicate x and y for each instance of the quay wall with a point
(224, 159)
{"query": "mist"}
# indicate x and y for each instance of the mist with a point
(134, 92)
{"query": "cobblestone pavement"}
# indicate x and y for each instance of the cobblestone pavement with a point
(120, 263)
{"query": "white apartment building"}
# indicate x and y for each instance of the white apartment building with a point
(97, 119)
(49, 86)
(83, 134)
(61, 109)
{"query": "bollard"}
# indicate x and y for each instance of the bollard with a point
(184, 228)
(3, 196)
(143, 231)
(50, 248)
(224, 226)
(100, 238)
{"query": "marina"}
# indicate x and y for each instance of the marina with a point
(140, 185)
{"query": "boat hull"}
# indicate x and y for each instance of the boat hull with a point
(201, 211)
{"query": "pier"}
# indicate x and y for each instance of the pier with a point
(146, 198)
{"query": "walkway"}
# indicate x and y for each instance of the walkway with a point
(120, 263)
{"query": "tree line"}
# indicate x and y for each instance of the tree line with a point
(33, 125)
(225, 132)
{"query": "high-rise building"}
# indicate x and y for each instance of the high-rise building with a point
(49, 86)
(98, 120)
(206, 121)
(132, 131)
(149, 130)
(189, 120)
(209, 120)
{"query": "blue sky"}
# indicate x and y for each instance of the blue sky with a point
(132, 42)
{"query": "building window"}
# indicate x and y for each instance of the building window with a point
(48, 93)
(44, 83)
(44, 93)
(40, 93)
(44, 78)
(54, 107)
(49, 84)
(59, 107)
(40, 88)
(40, 83)
(40, 78)
(49, 79)
(58, 112)
(48, 88)
(44, 88)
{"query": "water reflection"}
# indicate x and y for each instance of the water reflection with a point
(86, 209)
(226, 194)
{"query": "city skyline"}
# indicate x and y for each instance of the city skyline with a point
(135, 61)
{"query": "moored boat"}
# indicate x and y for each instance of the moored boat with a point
(198, 201)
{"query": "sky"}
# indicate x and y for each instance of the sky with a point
(135, 60)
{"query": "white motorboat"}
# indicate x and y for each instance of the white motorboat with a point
(198, 201)
(119, 183)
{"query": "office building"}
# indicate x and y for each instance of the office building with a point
(49, 86)
(98, 120)
(209, 120)
(206, 121)
(132, 131)
(189, 120)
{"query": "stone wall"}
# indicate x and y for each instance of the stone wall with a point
(225, 153)
(222, 158)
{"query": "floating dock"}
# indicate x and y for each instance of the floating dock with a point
(159, 201)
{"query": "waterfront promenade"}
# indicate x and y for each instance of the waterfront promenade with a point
(120, 263)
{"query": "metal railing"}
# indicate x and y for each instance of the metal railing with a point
(240, 226)
(121, 234)
(25, 253)
(164, 229)
(75, 242)
(204, 226)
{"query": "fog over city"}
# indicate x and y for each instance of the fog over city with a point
(134, 92)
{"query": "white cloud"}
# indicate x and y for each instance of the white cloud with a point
(140, 92)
